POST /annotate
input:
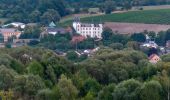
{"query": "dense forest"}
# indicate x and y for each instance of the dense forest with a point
(110, 74)
(45, 11)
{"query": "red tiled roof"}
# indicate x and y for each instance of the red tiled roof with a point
(153, 55)
(77, 39)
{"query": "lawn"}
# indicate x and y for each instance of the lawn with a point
(161, 16)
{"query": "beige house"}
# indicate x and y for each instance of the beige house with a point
(9, 32)
(154, 58)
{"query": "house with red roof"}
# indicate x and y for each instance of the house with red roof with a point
(77, 39)
(154, 58)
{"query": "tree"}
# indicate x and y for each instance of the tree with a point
(127, 90)
(167, 35)
(107, 92)
(50, 73)
(67, 89)
(107, 34)
(134, 45)
(109, 6)
(72, 55)
(33, 84)
(50, 15)
(160, 38)
(127, 4)
(6, 78)
(92, 86)
(17, 66)
(28, 85)
(151, 90)
(152, 35)
(116, 46)
(35, 68)
(77, 10)
(35, 16)
(45, 94)
(164, 81)
(31, 32)
(89, 96)
(139, 37)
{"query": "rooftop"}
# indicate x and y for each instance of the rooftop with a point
(8, 30)
(52, 24)
(61, 30)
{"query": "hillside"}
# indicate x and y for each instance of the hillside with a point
(147, 16)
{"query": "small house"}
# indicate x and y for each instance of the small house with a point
(154, 58)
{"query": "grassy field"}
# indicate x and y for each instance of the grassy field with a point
(161, 16)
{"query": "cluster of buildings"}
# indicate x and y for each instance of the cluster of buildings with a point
(11, 32)
(83, 30)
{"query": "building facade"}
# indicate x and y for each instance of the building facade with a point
(9, 32)
(87, 29)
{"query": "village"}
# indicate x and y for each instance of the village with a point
(11, 35)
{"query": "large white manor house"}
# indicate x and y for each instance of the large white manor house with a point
(88, 29)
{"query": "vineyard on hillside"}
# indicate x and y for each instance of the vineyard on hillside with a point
(161, 16)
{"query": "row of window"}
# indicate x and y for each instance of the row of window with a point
(83, 28)
(91, 32)
(7, 34)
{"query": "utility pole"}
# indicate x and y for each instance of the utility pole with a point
(168, 89)
(76, 44)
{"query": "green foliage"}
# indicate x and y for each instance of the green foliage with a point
(6, 78)
(17, 66)
(127, 90)
(31, 32)
(35, 68)
(116, 46)
(107, 33)
(59, 41)
(50, 15)
(33, 84)
(67, 89)
(109, 6)
(39, 74)
(34, 11)
(107, 92)
(72, 55)
(139, 37)
(133, 45)
(110, 37)
(90, 85)
(89, 96)
(45, 94)
(89, 43)
(165, 58)
(151, 90)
